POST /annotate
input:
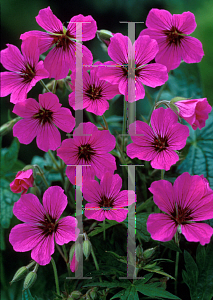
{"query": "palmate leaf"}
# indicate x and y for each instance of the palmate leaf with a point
(154, 290)
(199, 159)
(9, 157)
(199, 276)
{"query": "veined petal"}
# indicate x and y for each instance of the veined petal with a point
(27, 108)
(11, 59)
(159, 19)
(92, 211)
(66, 230)
(145, 50)
(184, 22)
(48, 137)
(161, 227)
(197, 232)
(111, 184)
(45, 39)
(117, 214)
(89, 26)
(49, 101)
(168, 55)
(26, 130)
(153, 74)
(9, 82)
(164, 159)
(54, 201)
(118, 48)
(162, 119)
(64, 120)
(44, 249)
(92, 191)
(191, 49)
(47, 20)
(30, 50)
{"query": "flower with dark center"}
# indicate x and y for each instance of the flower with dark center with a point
(62, 57)
(40, 120)
(96, 92)
(171, 33)
(158, 143)
(105, 199)
(25, 70)
(90, 150)
(42, 227)
(187, 202)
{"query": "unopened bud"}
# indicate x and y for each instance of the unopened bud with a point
(19, 274)
(77, 249)
(104, 36)
(139, 251)
(93, 295)
(148, 253)
(76, 295)
(86, 248)
(174, 107)
(29, 280)
(176, 99)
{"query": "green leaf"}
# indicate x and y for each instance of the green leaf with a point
(108, 284)
(141, 230)
(199, 158)
(171, 245)
(9, 157)
(153, 290)
(26, 295)
(7, 200)
(100, 228)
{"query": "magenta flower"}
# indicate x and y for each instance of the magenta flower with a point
(184, 203)
(26, 70)
(194, 111)
(42, 226)
(105, 200)
(23, 180)
(116, 71)
(171, 34)
(40, 121)
(91, 149)
(74, 263)
(159, 143)
(62, 57)
(96, 92)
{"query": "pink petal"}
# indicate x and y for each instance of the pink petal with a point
(54, 201)
(40, 73)
(111, 185)
(203, 209)
(49, 101)
(11, 59)
(163, 195)
(102, 141)
(117, 214)
(110, 72)
(124, 198)
(29, 209)
(197, 232)
(9, 82)
(48, 137)
(162, 119)
(92, 211)
(187, 108)
(164, 159)
(68, 152)
(27, 108)
(169, 55)
(153, 75)
(142, 152)
(91, 191)
(177, 136)
(66, 230)
(74, 263)
(145, 50)
(140, 132)
(103, 163)
(44, 249)
(64, 120)
(20, 93)
(185, 22)
(159, 19)
(97, 107)
(89, 26)
(202, 110)
(118, 48)
(191, 49)
(47, 20)
(26, 130)
(45, 39)
(30, 50)
(25, 237)
(161, 227)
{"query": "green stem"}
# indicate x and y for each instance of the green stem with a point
(90, 117)
(149, 97)
(162, 173)
(62, 254)
(104, 232)
(57, 166)
(41, 173)
(44, 85)
(54, 86)
(124, 123)
(160, 92)
(176, 271)
(56, 276)
(66, 257)
(105, 122)
(94, 259)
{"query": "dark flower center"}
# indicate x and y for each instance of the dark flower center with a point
(28, 74)
(44, 116)
(174, 36)
(106, 202)
(130, 73)
(62, 40)
(85, 152)
(48, 226)
(160, 143)
(94, 92)
(181, 215)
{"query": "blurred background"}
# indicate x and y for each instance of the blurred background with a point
(18, 17)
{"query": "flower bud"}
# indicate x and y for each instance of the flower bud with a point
(93, 295)
(19, 274)
(76, 295)
(22, 181)
(148, 253)
(29, 280)
(104, 36)
(139, 251)
(86, 248)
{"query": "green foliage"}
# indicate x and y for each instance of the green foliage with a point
(141, 231)
(26, 295)
(9, 156)
(199, 159)
(199, 276)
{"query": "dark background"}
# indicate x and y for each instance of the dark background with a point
(18, 17)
